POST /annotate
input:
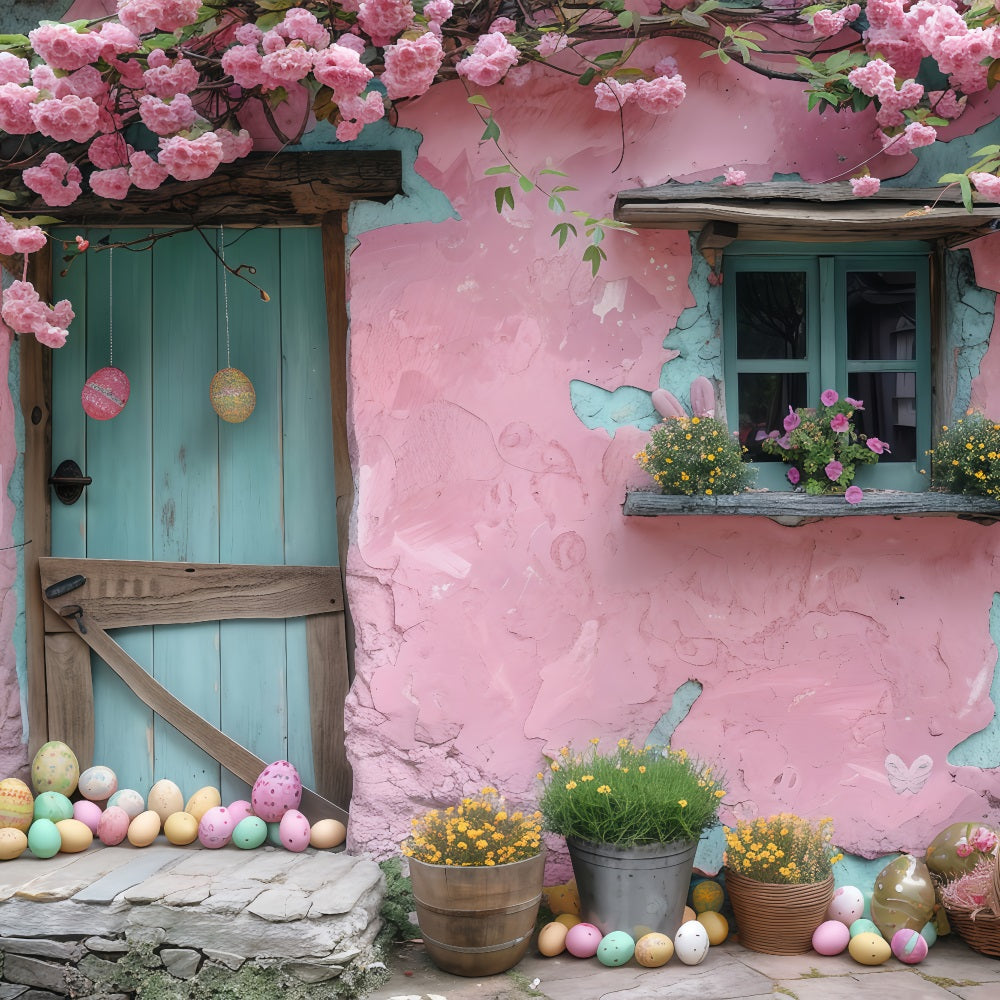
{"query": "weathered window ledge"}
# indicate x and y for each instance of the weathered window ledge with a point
(798, 508)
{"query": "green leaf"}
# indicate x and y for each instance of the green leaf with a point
(525, 183)
(626, 19)
(6, 195)
(275, 4)
(564, 187)
(690, 17)
(552, 170)
(950, 178)
(556, 204)
(503, 196)
(164, 41)
(43, 220)
(723, 58)
(585, 77)
(707, 7)
(609, 57)
(596, 256)
(966, 186)
(562, 231)
(504, 168)
(752, 36)
(478, 100)
(14, 41)
(492, 131)
(987, 151)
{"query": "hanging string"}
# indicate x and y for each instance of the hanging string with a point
(111, 306)
(225, 288)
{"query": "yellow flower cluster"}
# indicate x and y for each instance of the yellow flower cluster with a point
(695, 455)
(967, 457)
(479, 831)
(784, 848)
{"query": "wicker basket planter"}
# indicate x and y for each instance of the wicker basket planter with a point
(979, 930)
(777, 919)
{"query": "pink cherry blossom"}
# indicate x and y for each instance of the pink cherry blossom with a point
(834, 470)
(15, 108)
(657, 97)
(490, 60)
(383, 20)
(145, 16)
(235, 145)
(56, 182)
(915, 134)
(438, 11)
(13, 69)
(191, 159)
(164, 79)
(286, 66)
(504, 25)
(828, 397)
(829, 23)
(69, 118)
(410, 66)
(116, 40)
(244, 64)
(86, 82)
(248, 34)
(734, 177)
(612, 95)
(551, 43)
(853, 495)
(667, 66)
(63, 47)
(109, 151)
(340, 68)
(144, 172)
(863, 187)
(792, 420)
(988, 185)
(167, 117)
(112, 184)
(302, 24)
(24, 312)
(352, 42)
(15, 239)
(839, 424)
(358, 112)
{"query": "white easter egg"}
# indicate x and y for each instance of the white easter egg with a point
(691, 942)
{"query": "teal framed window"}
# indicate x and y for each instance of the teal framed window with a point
(801, 318)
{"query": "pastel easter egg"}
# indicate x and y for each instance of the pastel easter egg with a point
(583, 940)
(239, 810)
(55, 769)
(54, 806)
(564, 898)
(215, 829)
(17, 805)
(552, 939)
(13, 843)
(74, 836)
(869, 949)
(98, 783)
(327, 833)
(165, 798)
(864, 926)
(277, 790)
(847, 905)
(929, 933)
(903, 896)
(181, 828)
(831, 937)
(43, 839)
(232, 395)
(909, 946)
(113, 826)
(615, 949)
(691, 943)
(294, 831)
(87, 812)
(249, 833)
(105, 393)
(716, 926)
(569, 919)
(689, 915)
(707, 895)
(204, 799)
(144, 829)
(274, 834)
(129, 800)
(653, 950)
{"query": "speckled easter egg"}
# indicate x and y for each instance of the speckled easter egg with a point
(909, 946)
(653, 950)
(130, 800)
(55, 769)
(54, 806)
(869, 949)
(113, 826)
(583, 940)
(847, 905)
(204, 799)
(13, 843)
(691, 943)
(232, 395)
(105, 393)
(87, 812)
(17, 805)
(831, 937)
(277, 790)
(98, 783)
(216, 828)
(294, 830)
(250, 833)
(615, 949)
(74, 836)
(165, 799)
(43, 839)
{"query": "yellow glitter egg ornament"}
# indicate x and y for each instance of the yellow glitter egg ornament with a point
(232, 395)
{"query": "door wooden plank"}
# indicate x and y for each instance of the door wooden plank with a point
(71, 695)
(328, 685)
(124, 593)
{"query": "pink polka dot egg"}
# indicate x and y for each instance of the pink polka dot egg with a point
(847, 905)
(277, 790)
(216, 827)
(294, 830)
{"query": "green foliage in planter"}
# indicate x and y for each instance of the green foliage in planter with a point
(397, 904)
(967, 457)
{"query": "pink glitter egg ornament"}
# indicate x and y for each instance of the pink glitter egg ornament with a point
(232, 395)
(105, 393)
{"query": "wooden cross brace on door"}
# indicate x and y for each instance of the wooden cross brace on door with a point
(119, 593)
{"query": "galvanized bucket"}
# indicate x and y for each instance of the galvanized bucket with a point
(633, 889)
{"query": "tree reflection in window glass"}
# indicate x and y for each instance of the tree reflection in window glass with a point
(771, 314)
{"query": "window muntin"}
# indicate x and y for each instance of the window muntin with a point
(854, 319)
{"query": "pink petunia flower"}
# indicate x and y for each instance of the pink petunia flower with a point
(839, 424)
(792, 420)
(877, 446)
(794, 476)
(853, 495)
(834, 470)
(858, 404)
(828, 397)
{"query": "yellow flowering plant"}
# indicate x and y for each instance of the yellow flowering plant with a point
(630, 795)
(479, 831)
(695, 455)
(967, 457)
(784, 849)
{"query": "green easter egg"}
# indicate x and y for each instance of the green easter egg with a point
(54, 806)
(250, 832)
(929, 933)
(615, 948)
(274, 834)
(864, 926)
(44, 839)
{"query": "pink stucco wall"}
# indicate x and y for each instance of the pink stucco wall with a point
(505, 606)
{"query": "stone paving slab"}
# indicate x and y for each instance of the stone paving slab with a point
(141, 864)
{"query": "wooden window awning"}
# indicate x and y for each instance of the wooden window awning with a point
(786, 210)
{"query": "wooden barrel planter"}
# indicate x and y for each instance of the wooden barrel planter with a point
(477, 921)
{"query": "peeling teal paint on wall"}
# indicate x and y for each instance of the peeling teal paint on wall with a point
(944, 156)
(680, 704)
(982, 749)
(624, 406)
(969, 313)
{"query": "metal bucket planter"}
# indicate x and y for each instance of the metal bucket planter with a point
(477, 921)
(634, 889)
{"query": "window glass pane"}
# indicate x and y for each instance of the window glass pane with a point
(770, 314)
(764, 401)
(881, 315)
(890, 412)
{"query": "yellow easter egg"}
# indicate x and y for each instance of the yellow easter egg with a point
(869, 949)
(232, 395)
(707, 895)
(13, 843)
(204, 799)
(569, 919)
(563, 898)
(327, 833)
(716, 926)
(165, 799)
(17, 805)
(74, 836)
(654, 950)
(552, 939)
(144, 829)
(55, 769)
(181, 828)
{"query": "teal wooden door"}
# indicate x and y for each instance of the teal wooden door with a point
(172, 482)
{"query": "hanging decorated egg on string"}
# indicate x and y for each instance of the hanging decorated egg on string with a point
(105, 393)
(232, 395)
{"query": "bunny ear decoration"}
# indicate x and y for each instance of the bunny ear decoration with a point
(667, 404)
(702, 397)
